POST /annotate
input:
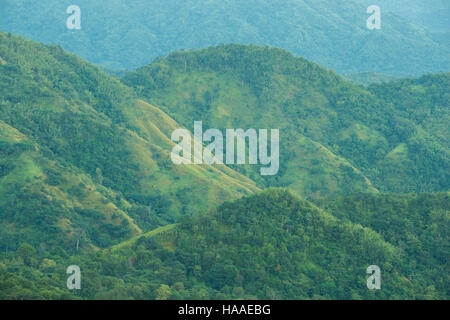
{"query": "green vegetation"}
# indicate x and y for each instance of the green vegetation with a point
(418, 225)
(86, 179)
(367, 78)
(126, 34)
(83, 159)
(271, 245)
(146, 235)
(336, 137)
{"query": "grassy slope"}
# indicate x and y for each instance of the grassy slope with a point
(146, 235)
(335, 136)
(103, 151)
(62, 119)
(38, 195)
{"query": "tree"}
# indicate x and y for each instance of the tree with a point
(163, 292)
(26, 252)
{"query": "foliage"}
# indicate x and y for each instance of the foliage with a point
(270, 245)
(86, 179)
(336, 137)
(83, 161)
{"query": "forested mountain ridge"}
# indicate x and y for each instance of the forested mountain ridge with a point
(83, 158)
(270, 245)
(127, 34)
(389, 137)
(86, 179)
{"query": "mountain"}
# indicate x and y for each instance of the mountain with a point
(128, 34)
(86, 179)
(270, 245)
(432, 14)
(83, 158)
(335, 136)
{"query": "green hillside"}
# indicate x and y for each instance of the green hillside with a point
(335, 136)
(418, 225)
(83, 158)
(270, 245)
(126, 34)
(45, 203)
(86, 179)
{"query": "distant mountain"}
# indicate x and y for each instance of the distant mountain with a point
(432, 14)
(335, 136)
(126, 34)
(83, 158)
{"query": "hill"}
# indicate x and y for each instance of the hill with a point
(270, 245)
(86, 179)
(127, 34)
(84, 159)
(335, 136)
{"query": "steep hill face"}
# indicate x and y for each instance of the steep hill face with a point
(334, 136)
(422, 115)
(127, 34)
(47, 203)
(86, 179)
(82, 157)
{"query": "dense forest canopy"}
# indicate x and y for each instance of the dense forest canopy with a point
(269, 246)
